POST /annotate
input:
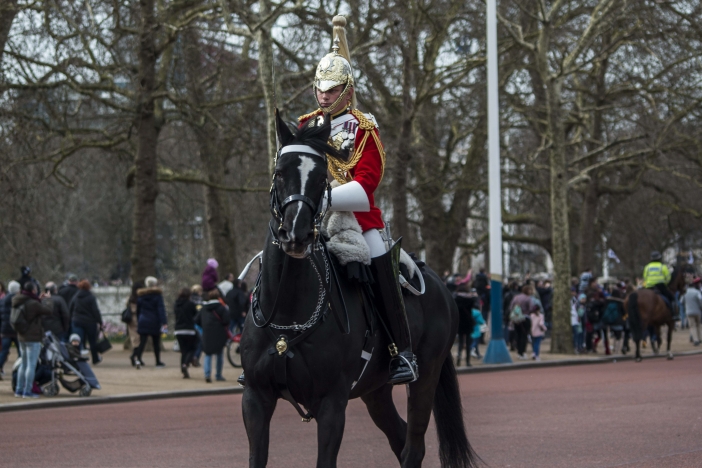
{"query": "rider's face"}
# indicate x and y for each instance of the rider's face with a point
(327, 98)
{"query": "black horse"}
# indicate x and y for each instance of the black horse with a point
(307, 357)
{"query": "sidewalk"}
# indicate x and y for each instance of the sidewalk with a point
(117, 376)
(120, 381)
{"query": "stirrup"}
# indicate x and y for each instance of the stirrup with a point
(403, 369)
(241, 380)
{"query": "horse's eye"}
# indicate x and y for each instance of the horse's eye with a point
(278, 175)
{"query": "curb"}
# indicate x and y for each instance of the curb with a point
(78, 401)
(563, 362)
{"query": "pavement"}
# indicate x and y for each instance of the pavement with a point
(621, 414)
(121, 382)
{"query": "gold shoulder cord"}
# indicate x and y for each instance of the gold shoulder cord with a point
(309, 116)
(338, 168)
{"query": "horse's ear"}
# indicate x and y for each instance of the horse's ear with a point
(285, 136)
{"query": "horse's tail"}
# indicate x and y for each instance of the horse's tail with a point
(454, 449)
(634, 316)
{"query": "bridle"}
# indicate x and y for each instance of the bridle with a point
(318, 245)
(319, 209)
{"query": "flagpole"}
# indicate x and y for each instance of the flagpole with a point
(497, 352)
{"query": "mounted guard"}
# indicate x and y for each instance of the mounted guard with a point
(360, 170)
(656, 276)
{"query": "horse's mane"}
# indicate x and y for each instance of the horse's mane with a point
(315, 136)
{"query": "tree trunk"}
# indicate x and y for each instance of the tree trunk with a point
(8, 11)
(403, 158)
(562, 338)
(265, 71)
(214, 144)
(220, 223)
(588, 234)
(145, 180)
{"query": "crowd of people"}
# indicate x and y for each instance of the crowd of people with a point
(69, 312)
(205, 315)
(597, 312)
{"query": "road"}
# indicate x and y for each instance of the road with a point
(621, 414)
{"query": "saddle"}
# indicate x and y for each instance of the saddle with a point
(345, 242)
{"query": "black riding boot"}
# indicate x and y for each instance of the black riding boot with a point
(388, 297)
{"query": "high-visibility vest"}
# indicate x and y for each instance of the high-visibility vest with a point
(655, 273)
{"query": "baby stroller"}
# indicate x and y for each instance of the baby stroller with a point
(55, 365)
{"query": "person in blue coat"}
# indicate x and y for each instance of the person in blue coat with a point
(152, 319)
(478, 325)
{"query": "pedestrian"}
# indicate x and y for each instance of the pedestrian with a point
(69, 290)
(538, 328)
(520, 310)
(585, 279)
(595, 305)
(546, 296)
(510, 293)
(152, 319)
(196, 298)
(237, 300)
(693, 309)
(185, 311)
(30, 339)
(214, 319)
(7, 333)
(133, 325)
(479, 328)
(226, 285)
(59, 322)
(209, 276)
(27, 276)
(465, 302)
(577, 312)
(86, 318)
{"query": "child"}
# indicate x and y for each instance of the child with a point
(577, 321)
(73, 348)
(538, 328)
(478, 329)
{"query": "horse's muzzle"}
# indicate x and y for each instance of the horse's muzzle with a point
(296, 249)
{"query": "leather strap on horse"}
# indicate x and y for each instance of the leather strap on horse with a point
(282, 351)
(337, 300)
(267, 321)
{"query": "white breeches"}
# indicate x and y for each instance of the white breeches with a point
(375, 242)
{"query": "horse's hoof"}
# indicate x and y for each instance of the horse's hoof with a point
(638, 359)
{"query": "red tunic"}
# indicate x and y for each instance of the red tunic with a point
(368, 172)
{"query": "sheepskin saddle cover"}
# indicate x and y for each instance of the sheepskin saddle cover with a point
(347, 244)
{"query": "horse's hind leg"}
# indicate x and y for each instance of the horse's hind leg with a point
(384, 414)
(331, 419)
(258, 410)
(419, 407)
(638, 350)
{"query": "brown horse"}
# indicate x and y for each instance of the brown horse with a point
(647, 310)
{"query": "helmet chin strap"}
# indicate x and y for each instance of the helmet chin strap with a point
(344, 93)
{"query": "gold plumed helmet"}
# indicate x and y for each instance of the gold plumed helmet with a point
(335, 68)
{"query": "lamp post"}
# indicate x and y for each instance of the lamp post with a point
(497, 352)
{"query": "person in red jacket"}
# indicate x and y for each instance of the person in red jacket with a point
(359, 172)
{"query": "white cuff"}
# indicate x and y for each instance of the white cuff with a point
(349, 197)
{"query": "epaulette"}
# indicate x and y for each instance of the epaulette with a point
(365, 121)
(309, 116)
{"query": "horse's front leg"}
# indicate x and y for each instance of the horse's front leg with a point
(258, 410)
(331, 419)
